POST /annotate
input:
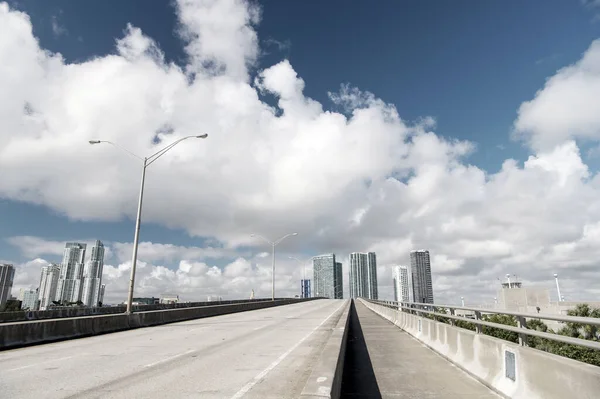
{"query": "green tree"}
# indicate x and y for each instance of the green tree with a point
(536, 342)
(465, 324)
(579, 330)
(582, 331)
(498, 332)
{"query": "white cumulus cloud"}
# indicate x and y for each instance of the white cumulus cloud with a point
(356, 180)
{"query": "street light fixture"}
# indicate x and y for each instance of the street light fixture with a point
(147, 161)
(560, 298)
(273, 244)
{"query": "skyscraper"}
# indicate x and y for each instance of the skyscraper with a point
(363, 275)
(402, 285)
(71, 273)
(325, 278)
(101, 295)
(339, 281)
(92, 276)
(420, 268)
(48, 285)
(29, 299)
(7, 275)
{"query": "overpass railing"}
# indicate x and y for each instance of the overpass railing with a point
(521, 329)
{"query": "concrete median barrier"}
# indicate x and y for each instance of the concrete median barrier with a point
(325, 380)
(18, 334)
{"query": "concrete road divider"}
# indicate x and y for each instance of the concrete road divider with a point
(80, 311)
(18, 334)
(325, 381)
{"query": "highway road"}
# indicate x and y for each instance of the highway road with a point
(266, 353)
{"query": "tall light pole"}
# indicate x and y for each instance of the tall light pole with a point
(557, 287)
(273, 244)
(462, 300)
(303, 264)
(147, 161)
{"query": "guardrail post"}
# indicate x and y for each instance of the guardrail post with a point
(478, 327)
(522, 323)
(452, 313)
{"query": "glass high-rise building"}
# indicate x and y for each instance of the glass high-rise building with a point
(339, 281)
(402, 284)
(92, 276)
(48, 285)
(363, 275)
(420, 269)
(7, 275)
(325, 278)
(70, 281)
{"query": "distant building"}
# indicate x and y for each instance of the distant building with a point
(70, 282)
(304, 288)
(401, 277)
(48, 285)
(92, 276)
(325, 277)
(145, 301)
(363, 275)
(420, 269)
(169, 298)
(7, 275)
(101, 294)
(339, 281)
(29, 299)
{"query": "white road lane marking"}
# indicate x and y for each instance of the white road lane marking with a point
(170, 358)
(47, 361)
(266, 371)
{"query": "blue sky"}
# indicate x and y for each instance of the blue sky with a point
(468, 64)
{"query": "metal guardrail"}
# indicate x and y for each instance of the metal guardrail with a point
(521, 329)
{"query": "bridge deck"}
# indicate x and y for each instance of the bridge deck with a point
(404, 368)
(266, 353)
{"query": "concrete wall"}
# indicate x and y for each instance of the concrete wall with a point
(538, 375)
(18, 334)
(325, 380)
(6, 317)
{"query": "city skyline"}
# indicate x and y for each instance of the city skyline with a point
(461, 152)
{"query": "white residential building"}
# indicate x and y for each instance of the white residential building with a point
(48, 285)
(29, 299)
(402, 291)
(92, 276)
(363, 275)
(70, 282)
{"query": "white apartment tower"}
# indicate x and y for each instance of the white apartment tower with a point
(363, 275)
(92, 276)
(48, 285)
(7, 274)
(420, 269)
(327, 277)
(70, 281)
(402, 291)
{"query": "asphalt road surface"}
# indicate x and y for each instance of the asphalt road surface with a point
(266, 353)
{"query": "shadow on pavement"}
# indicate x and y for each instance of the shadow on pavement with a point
(358, 379)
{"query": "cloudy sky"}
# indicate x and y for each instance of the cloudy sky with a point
(472, 131)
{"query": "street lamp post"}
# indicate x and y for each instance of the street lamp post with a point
(147, 161)
(557, 287)
(273, 244)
